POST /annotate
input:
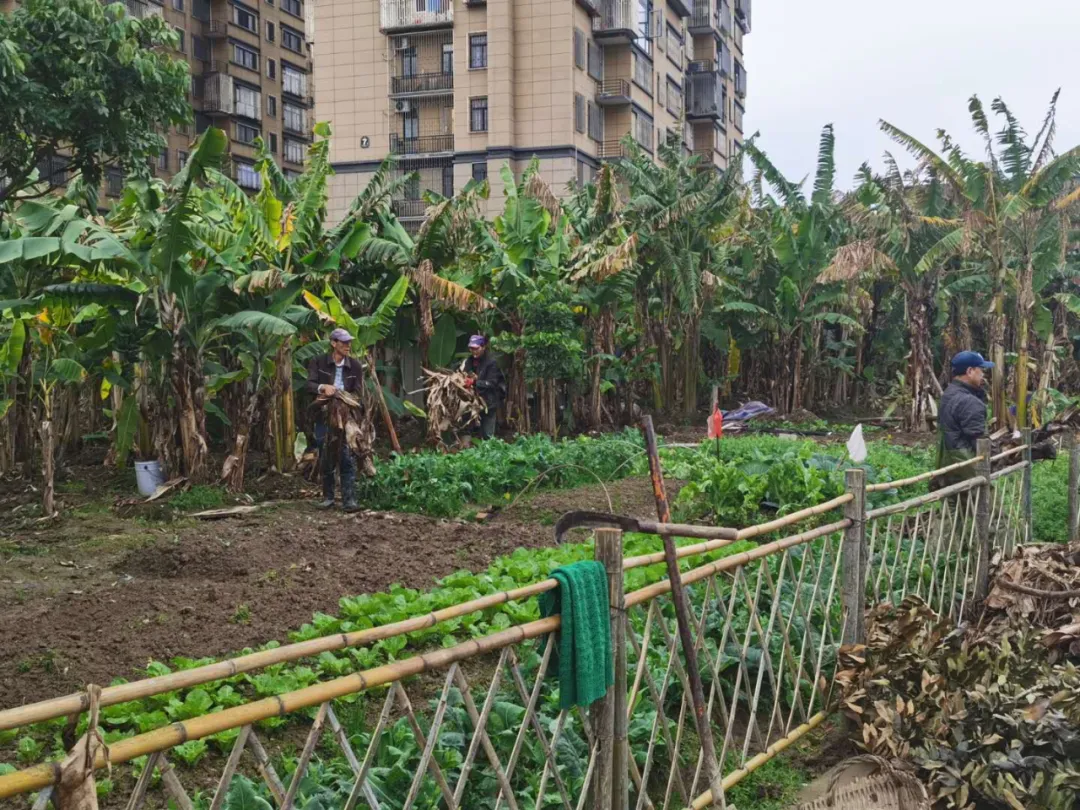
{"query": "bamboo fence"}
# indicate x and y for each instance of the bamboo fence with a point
(766, 625)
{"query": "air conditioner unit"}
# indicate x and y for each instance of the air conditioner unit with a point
(402, 107)
(401, 44)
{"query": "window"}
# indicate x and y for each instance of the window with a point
(246, 133)
(178, 5)
(596, 122)
(643, 130)
(271, 68)
(114, 182)
(410, 123)
(271, 106)
(294, 151)
(181, 158)
(181, 46)
(643, 72)
(292, 40)
(737, 116)
(674, 98)
(409, 65)
(199, 48)
(448, 59)
(183, 129)
(293, 81)
(448, 181)
(477, 50)
(294, 118)
(579, 112)
(478, 114)
(200, 9)
(579, 48)
(246, 18)
(163, 160)
(246, 101)
(247, 177)
(645, 20)
(269, 32)
(294, 7)
(198, 86)
(674, 46)
(596, 61)
(245, 57)
(272, 142)
(479, 172)
(718, 139)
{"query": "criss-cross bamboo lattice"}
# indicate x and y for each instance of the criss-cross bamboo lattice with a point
(483, 721)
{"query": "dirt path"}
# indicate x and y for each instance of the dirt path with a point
(94, 596)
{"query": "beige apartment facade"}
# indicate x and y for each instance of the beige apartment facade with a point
(456, 89)
(251, 76)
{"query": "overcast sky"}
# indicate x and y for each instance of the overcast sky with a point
(914, 63)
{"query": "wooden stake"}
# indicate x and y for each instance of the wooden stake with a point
(854, 595)
(606, 711)
(1028, 516)
(389, 422)
(982, 522)
(663, 513)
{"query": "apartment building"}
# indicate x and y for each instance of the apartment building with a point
(250, 76)
(457, 88)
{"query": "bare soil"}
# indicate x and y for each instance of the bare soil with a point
(93, 596)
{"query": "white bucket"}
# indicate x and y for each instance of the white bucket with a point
(148, 477)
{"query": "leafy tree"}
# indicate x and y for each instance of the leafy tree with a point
(85, 81)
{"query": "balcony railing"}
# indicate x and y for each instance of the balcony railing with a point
(403, 14)
(613, 91)
(409, 209)
(612, 149)
(141, 9)
(428, 83)
(702, 17)
(704, 95)
(617, 18)
(421, 145)
(743, 14)
(216, 29)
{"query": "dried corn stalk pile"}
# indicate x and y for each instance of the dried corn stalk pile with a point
(452, 406)
(345, 414)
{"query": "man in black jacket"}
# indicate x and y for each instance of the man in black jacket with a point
(342, 372)
(485, 374)
(962, 415)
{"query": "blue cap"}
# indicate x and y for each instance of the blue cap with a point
(965, 360)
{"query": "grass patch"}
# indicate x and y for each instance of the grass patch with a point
(773, 786)
(198, 498)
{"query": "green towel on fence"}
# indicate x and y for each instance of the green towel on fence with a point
(585, 659)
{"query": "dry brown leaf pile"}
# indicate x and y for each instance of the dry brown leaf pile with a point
(452, 406)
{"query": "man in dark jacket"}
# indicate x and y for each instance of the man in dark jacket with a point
(962, 414)
(485, 374)
(342, 372)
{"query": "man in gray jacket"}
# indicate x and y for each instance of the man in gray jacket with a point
(962, 415)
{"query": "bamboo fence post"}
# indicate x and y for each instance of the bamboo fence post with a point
(854, 548)
(1029, 517)
(1074, 487)
(982, 521)
(678, 598)
(610, 785)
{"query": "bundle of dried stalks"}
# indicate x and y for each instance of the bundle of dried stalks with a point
(447, 292)
(452, 406)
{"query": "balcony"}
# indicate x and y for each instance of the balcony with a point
(215, 29)
(704, 95)
(409, 209)
(141, 9)
(725, 17)
(704, 18)
(422, 84)
(617, 22)
(612, 92)
(742, 14)
(218, 95)
(612, 150)
(402, 15)
(592, 7)
(680, 7)
(421, 145)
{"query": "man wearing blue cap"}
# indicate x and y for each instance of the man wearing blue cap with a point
(336, 371)
(962, 415)
(485, 375)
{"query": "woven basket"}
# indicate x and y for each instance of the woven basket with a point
(890, 788)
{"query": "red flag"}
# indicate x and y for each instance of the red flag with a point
(716, 425)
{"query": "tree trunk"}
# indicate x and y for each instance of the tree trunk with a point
(232, 472)
(997, 354)
(1025, 304)
(796, 382)
(23, 407)
(920, 373)
(48, 472)
(282, 410)
(691, 364)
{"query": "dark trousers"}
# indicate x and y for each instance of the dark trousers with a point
(487, 424)
(334, 455)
